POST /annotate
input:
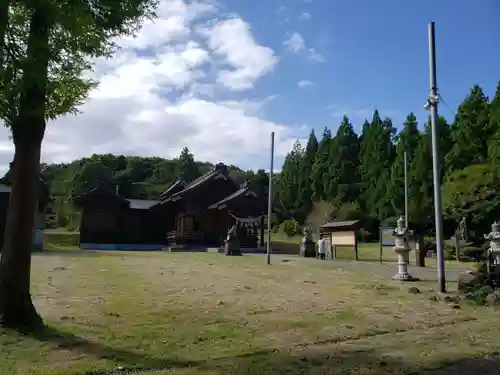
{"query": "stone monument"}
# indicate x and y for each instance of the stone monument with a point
(462, 229)
(232, 243)
(402, 248)
(494, 238)
(307, 247)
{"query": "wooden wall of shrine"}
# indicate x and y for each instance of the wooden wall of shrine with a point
(108, 219)
(100, 222)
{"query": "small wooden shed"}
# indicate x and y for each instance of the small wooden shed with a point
(342, 234)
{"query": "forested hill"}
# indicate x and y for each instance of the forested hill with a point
(135, 177)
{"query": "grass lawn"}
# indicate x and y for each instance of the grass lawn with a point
(195, 313)
(368, 252)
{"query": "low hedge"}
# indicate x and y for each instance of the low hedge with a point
(62, 239)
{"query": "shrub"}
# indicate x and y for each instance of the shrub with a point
(475, 253)
(365, 236)
(291, 228)
(61, 239)
(429, 245)
(450, 252)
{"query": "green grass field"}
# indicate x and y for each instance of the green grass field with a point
(203, 313)
(368, 252)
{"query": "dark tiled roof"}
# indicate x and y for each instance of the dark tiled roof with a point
(219, 170)
(339, 224)
(236, 194)
(142, 204)
(172, 189)
(104, 190)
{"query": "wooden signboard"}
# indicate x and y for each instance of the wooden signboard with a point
(387, 236)
(344, 238)
(386, 239)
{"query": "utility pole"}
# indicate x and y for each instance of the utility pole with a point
(270, 202)
(406, 187)
(432, 104)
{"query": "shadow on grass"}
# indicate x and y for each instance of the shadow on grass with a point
(314, 359)
(94, 253)
(98, 350)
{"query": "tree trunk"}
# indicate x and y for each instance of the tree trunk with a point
(16, 307)
(4, 20)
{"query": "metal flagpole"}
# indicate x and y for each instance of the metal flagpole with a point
(270, 202)
(406, 187)
(432, 104)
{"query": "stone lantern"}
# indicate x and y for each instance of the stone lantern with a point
(307, 246)
(232, 243)
(402, 248)
(494, 238)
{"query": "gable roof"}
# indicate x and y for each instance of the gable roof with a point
(242, 191)
(333, 225)
(139, 204)
(104, 190)
(172, 189)
(220, 171)
(142, 204)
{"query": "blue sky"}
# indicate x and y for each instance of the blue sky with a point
(218, 76)
(376, 55)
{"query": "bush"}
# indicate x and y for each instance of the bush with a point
(62, 239)
(450, 252)
(475, 253)
(291, 228)
(365, 236)
(429, 245)
(348, 211)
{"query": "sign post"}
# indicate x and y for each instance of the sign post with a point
(386, 239)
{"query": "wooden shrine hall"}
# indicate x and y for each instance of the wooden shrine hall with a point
(198, 213)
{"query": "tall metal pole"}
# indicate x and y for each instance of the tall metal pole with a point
(270, 202)
(438, 210)
(406, 187)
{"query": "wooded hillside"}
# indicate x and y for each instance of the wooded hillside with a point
(134, 177)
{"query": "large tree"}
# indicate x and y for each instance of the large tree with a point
(289, 188)
(344, 164)
(306, 168)
(319, 173)
(406, 141)
(470, 132)
(494, 144)
(376, 156)
(46, 49)
(187, 166)
(473, 191)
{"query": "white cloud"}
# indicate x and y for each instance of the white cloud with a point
(304, 16)
(304, 83)
(171, 86)
(295, 43)
(232, 40)
(315, 56)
